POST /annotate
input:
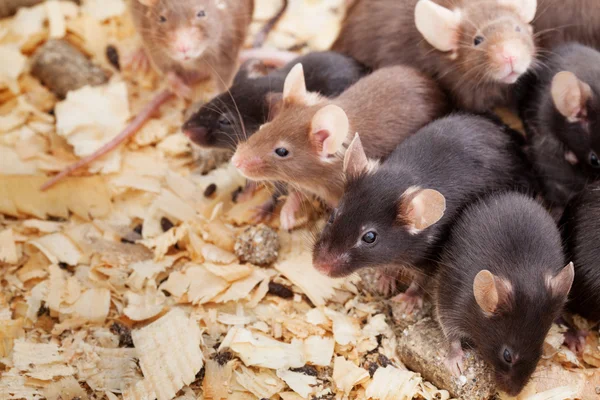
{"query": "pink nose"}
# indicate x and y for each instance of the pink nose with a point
(509, 58)
(183, 48)
(327, 264)
(246, 163)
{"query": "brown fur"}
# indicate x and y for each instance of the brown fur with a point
(382, 32)
(384, 108)
(225, 29)
(558, 23)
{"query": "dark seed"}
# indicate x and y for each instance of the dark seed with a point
(236, 193)
(124, 334)
(383, 361)
(63, 265)
(138, 229)
(165, 224)
(223, 357)
(306, 370)
(44, 310)
(112, 54)
(210, 190)
(280, 291)
(127, 241)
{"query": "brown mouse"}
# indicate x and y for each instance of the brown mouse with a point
(305, 142)
(193, 40)
(475, 49)
(558, 24)
(502, 281)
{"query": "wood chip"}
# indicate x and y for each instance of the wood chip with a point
(346, 374)
(257, 349)
(298, 382)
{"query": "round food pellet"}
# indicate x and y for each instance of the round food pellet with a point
(258, 245)
(210, 190)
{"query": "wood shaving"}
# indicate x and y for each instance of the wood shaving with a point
(103, 9)
(346, 374)
(12, 66)
(298, 382)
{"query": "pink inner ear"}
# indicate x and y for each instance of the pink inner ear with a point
(319, 138)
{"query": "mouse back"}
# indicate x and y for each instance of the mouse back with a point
(476, 50)
(581, 229)
(502, 283)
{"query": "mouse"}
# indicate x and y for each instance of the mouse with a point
(304, 143)
(558, 25)
(476, 50)
(192, 40)
(238, 112)
(502, 282)
(581, 229)
(560, 109)
(395, 216)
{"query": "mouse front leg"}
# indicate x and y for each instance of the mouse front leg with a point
(138, 61)
(412, 299)
(387, 280)
(288, 212)
(179, 87)
(455, 358)
(265, 211)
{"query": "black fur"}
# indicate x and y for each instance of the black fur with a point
(461, 156)
(551, 134)
(581, 232)
(327, 73)
(514, 238)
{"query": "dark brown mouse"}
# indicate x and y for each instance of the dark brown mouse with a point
(244, 107)
(502, 282)
(304, 144)
(581, 232)
(556, 24)
(193, 40)
(396, 216)
(476, 49)
(560, 107)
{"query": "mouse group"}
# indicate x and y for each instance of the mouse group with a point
(393, 131)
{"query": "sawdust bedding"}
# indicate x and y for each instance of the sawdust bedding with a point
(127, 282)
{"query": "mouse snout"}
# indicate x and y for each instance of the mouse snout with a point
(512, 60)
(246, 164)
(330, 264)
(197, 134)
(186, 43)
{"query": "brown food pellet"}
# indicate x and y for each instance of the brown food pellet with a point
(165, 224)
(210, 190)
(280, 290)
(258, 245)
(112, 54)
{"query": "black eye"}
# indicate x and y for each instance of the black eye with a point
(369, 237)
(594, 161)
(478, 40)
(507, 356)
(282, 152)
(224, 121)
(201, 14)
(162, 19)
(518, 28)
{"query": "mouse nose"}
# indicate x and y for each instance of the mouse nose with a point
(245, 164)
(197, 134)
(328, 264)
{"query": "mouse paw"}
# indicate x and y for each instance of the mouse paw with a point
(455, 359)
(179, 87)
(386, 282)
(411, 300)
(138, 61)
(288, 211)
(575, 340)
(264, 211)
(248, 192)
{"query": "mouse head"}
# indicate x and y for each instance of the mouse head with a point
(301, 142)
(184, 28)
(217, 124)
(488, 40)
(576, 119)
(513, 321)
(378, 222)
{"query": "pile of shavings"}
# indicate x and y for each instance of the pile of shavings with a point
(123, 282)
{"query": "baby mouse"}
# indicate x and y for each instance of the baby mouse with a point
(560, 107)
(240, 111)
(304, 143)
(396, 215)
(192, 40)
(581, 230)
(475, 49)
(502, 281)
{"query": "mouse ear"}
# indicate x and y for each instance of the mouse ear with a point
(438, 25)
(148, 3)
(356, 162)
(570, 95)
(490, 292)
(421, 208)
(294, 86)
(329, 129)
(251, 69)
(274, 103)
(525, 8)
(560, 285)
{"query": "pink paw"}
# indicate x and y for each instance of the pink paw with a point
(386, 283)
(248, 192)
(454, 361)
(575, 340)
(138, 61)
(409, 302)
(179, 87)
(264, 211)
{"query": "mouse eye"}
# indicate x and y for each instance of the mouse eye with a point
(223, 120)
(282, 152)
(162, 19)
(507, 355)
(517, 28)
(478, 40)
(369, 237)
(201, 14)
(594, 161)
